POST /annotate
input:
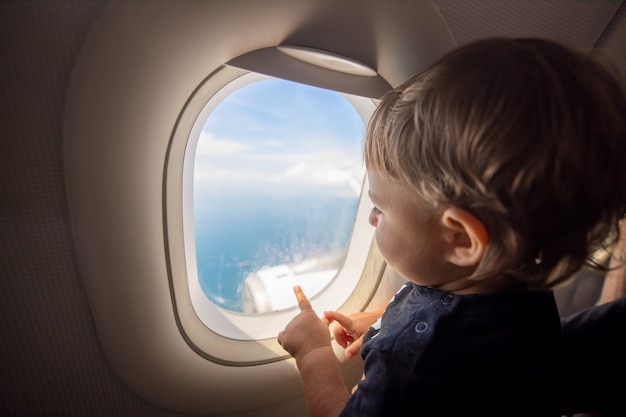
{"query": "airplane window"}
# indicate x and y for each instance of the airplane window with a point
(278, 174)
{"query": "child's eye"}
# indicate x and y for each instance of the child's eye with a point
(376, 211)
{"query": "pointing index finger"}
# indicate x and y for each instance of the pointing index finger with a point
(303, 302)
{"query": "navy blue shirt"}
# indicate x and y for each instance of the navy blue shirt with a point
(434, 353)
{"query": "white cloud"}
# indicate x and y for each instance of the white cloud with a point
(329, 170)
(296, 170)
(209, 146)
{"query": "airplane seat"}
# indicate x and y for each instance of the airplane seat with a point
(582, 292)
(592, 287)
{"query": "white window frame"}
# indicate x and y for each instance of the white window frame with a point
(210, 329)
(241, 326)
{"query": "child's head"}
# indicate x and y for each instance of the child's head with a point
(527, 135)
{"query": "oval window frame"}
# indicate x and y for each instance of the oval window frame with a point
(221, 335)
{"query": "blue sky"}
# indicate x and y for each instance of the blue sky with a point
(281, 136)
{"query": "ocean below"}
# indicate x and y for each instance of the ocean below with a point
(238, 236)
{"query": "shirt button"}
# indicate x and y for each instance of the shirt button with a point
(446, 299)
(421, 327)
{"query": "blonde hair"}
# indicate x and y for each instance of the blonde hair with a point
(526, 134)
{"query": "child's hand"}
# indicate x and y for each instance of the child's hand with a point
(305, 332)
(348, 331)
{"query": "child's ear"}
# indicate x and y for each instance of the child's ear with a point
(466, 237)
